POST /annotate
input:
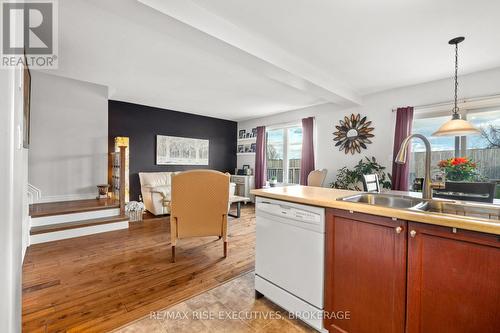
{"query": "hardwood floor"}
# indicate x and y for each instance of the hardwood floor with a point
(68, 207)
(103, 281)
(231, 307)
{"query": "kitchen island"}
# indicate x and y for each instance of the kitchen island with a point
(328, 198)
(402, 270)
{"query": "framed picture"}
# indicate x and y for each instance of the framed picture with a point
(248, 135)
(246, 166)
(254, 132)
(242, 134)
(26, 104)
(241, 148)
(248, 149)
(253, 147)
(174, 150)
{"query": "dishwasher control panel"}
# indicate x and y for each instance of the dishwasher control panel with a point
(290, 210)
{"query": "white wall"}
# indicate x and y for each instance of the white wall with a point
(69, 137)
(378, 107)
(13, 200)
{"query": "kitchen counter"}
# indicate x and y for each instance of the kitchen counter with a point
(327, 197)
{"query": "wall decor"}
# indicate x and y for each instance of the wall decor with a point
(173, 150)
(242, 134)
(353, 134)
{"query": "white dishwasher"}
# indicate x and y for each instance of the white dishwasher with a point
(289, 263)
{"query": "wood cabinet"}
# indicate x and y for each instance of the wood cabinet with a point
(453, 280)
(365, 272)
(419, 278)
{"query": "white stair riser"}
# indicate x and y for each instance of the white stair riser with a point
(63, 218)
(77, 232)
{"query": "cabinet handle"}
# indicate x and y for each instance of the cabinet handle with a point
(413, 233)
(398, 230)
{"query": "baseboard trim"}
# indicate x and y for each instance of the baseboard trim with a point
(79, 216)
(66, 197)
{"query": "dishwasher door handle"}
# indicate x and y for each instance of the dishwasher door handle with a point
(275, 204)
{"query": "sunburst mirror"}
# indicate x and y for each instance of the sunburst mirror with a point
(353, 134)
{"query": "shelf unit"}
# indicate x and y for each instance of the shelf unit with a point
(248, 140)
(246, 143)
(115, 167)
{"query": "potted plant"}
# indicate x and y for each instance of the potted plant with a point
(134, 210)
(348, 179)
(459, 169)
(273, 181)
(463, 181)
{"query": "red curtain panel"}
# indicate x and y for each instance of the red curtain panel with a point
(404, 120)
(260, 158)
(307, 159)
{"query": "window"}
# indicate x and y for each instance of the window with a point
(442, 147)
(483, 149)
(283, 152)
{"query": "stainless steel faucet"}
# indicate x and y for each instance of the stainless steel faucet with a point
(401, 159)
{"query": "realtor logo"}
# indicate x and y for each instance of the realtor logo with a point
(29, 33)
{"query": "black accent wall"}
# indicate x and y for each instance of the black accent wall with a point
(142, 123)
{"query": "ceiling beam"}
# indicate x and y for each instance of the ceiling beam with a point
(257, 54)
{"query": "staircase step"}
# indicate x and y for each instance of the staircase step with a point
(77, 224)
(71, 207)
(66, 218)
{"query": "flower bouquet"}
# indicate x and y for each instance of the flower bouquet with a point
(459, 169)
(134, 210)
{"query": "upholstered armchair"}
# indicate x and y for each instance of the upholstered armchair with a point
(199, 206)
(155, 190)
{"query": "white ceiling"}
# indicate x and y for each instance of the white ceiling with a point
(243, 59)
(375, 45)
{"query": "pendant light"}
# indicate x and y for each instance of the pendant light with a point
(456, 126)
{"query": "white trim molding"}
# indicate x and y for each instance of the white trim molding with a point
(78, 232)
(442, 109)
(65, 197)
(34, 194)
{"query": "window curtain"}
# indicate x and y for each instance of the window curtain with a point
(400, 172)
(307, 158)
(260, 158)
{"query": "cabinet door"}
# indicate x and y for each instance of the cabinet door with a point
(365, 272)
(453, 280)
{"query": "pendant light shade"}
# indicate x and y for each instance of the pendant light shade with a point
(456, 126)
